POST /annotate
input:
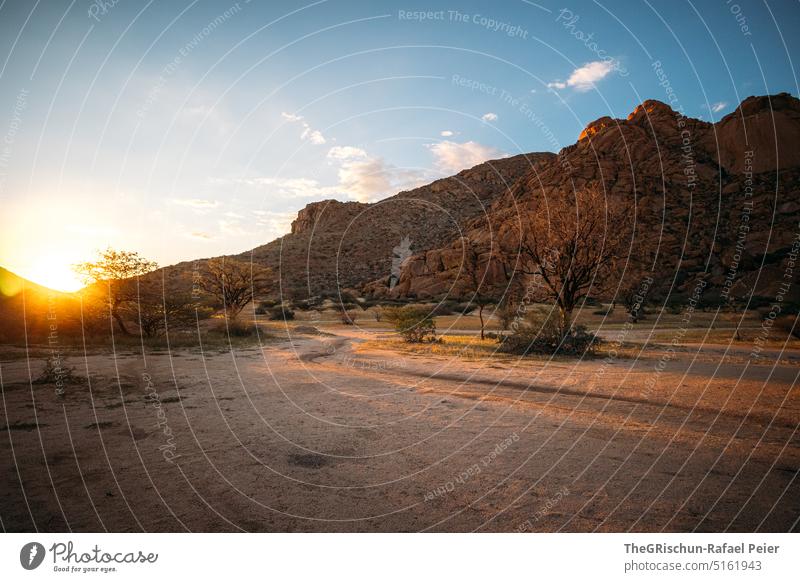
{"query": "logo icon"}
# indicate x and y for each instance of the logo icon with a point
(31, 555)
(400, 253)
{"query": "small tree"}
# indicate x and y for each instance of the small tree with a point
(570, 245)
(118, 270)
(348, 317)
(234, 283)
(414, 324)
(473, 278)
(159, 307)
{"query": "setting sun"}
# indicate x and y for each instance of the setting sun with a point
(54, 272)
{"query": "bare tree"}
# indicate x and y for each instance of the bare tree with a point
(118, 270)
(473, 278)
(234, 283)
(162, 304)
(571, 245)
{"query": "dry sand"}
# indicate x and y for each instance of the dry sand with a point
(320, 434)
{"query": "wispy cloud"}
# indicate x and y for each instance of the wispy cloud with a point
(584, 78)
(273, 224)
(489, 116)
(367, 178)
(346, 153)
(360, 176)
(288, 187)
(313, 135)
(718, 106)
(452, 157)
(446, 133)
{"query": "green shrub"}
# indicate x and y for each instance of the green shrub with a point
(348, 317)
(264, 306)
(414, 324)
(235, 328)
(541, 335)
(281, 313)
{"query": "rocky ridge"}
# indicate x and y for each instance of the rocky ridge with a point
(717, 201)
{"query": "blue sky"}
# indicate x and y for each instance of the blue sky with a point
(190, 129)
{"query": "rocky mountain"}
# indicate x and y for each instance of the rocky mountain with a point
(340, 245)
(718, 202)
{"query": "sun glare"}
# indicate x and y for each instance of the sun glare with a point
(55, 273)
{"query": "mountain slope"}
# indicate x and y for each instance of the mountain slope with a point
(719, 201)
(338, 245)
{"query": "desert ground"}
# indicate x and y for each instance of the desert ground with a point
(328, 427)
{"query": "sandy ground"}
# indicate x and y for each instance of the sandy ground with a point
(321, 434)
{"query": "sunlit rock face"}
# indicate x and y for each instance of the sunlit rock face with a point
(344, 245)
(710, 199)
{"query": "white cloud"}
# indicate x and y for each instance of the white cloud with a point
(273, 224)
(584, 78)
(718, 106)
(452, 157)
(446, 133)
(489, 116)
(313, 135)
(200, 235)
(360, 176)
(346, 153)
(290, 187)
(365, 179)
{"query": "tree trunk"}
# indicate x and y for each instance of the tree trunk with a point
(480, 314)
(120, 323)
(565, 318)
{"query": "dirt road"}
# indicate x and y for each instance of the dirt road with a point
(320, 434)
